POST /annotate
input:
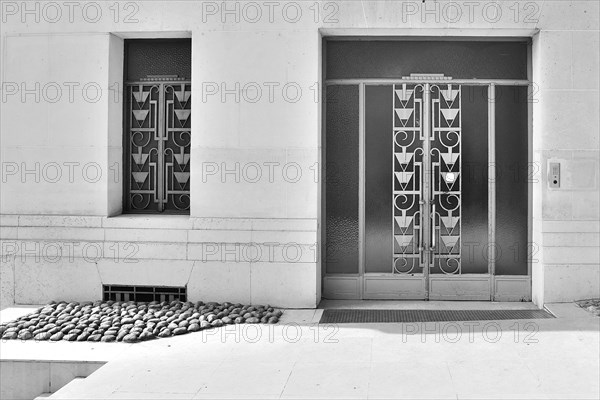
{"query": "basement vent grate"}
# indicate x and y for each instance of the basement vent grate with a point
(336, 316)
(143, 293)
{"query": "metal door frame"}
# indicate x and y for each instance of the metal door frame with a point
(362, 280)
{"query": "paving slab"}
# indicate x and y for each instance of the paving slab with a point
(297, 358)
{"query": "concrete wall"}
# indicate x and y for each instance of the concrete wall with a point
(71, 145)
(28, 379)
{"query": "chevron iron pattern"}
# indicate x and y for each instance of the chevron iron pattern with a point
(406, 178)
(445, 145)
(446, 151)
(158, 136)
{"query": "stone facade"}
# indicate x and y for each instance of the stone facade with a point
(256, 76)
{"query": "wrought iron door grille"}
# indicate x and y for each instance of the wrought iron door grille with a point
(407, 180)
(158, 138)
(143, 293)
(426, 204)
(446, 162)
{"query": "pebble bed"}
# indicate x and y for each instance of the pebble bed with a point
(591, 305)
(130, 322)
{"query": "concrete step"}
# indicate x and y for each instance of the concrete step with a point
(66, 391)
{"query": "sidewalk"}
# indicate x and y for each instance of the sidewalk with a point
(539, 359)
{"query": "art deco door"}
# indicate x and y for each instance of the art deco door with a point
(427, 179)
(435, 185)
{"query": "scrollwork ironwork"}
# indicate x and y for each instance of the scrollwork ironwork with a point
(407, 160)
(444, 177)
(158, 146)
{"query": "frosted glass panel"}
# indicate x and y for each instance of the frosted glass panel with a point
(158, 57)
(341, 195)
(474, 190)
(378, 183)
(397, 58)
(511, 182)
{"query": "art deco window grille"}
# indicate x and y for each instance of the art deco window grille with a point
(158, 136)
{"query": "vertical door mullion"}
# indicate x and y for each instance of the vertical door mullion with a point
(361, 187)
(426, 186)
(161, 146)
(492, 187)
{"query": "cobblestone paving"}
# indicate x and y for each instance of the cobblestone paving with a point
(591, 305)
(130, 322)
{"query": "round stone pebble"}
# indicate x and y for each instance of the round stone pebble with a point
(83, 337)
(162, 324)
(25, 335)
(130, 338)
(53, 330)
(70, 337)
(179, 331)
(28, 324)
(42, 336)
(94, 337)
(165, 333)
(204, 324)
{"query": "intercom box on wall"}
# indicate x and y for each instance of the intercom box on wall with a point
(553, 174)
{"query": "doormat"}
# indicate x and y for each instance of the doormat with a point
(339, 316)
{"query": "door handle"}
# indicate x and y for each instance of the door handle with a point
(433, 229)
(421, 225)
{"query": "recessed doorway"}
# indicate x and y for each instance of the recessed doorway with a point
(427, 172)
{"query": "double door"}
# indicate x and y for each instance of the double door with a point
(443, 176)
(441, 206)
(427, 181)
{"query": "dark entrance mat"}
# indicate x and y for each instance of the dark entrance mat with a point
(338, 316)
